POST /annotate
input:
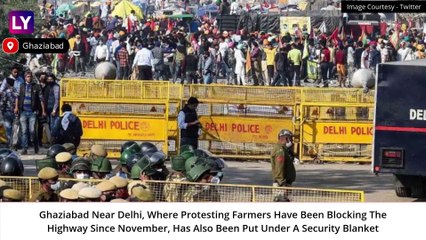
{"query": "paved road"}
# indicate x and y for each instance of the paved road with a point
(332, 176)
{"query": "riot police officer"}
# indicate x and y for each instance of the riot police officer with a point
(49, 183)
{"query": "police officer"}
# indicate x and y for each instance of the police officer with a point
(80, 169)
(121, 184)
(68, 195)
(147, 147)
(97, 151)
(189, 124)
(12, 195)
(198, 170)
(142, 170)
(101, 167)
(283, 170)
(64, 161)
(108, 190)
(157, 163)
(69, 147)
(173, 191)
(89, 194)
(49, 183)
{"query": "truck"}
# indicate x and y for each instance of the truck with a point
(399, 145)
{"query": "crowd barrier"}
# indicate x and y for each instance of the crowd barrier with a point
(214, 192)
(113, 112)
(237, 121)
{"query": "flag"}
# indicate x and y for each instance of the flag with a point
(305, 50)
(169, 25)
(248, 61)
(363, 37)
(394, 39)
(334, 36)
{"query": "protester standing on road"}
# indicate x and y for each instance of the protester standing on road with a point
(189, 124)
(28, 105)
(7, 105)
(283, 170)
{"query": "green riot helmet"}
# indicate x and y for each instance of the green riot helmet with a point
(54, 150)
(147, 147)
(125, 156)
(80, 164)
(195, 173)
(178, 163)
(48, 162)
(145, 166)
(190, 162)
(127, 145)
(202, 153)
(101, 165)
(186, 148)
(135, 172)
(156, 159)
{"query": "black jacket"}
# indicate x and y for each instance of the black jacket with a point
(36, 97)
(190, 116)
(72, 134)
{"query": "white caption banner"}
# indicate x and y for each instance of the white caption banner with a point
(183, 221)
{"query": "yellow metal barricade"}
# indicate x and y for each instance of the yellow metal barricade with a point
(336, 124)
(199, 192)
(113, 112)
(243, 121)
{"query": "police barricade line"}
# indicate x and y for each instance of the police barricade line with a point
(237, 150)
(203, 192)
(118, 90)
(140, 117)
(336, 132)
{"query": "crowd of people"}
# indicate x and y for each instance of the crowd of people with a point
(65, 177)
(196, 51)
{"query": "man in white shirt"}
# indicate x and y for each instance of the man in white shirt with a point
(350, 59)
(405, 53)
(234, 7)
(364, 57)
(144, 59)
(384, 53)
(101, 52)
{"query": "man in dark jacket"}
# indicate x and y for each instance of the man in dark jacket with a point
(188, 123)
(29, 103)
(68, 128)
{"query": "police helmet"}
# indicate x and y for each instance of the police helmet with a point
(197, 171)
(147, 147)
(131, 146)
(187, 155)
(191, 162)
(216, 164)
(101, 165)
(125, 155)
(178, 163)
(156, 159)
(142, 166)
(12, 167)
(285, 133)
(4, 153)
(54, 150)
(132, 159)
(80, 164)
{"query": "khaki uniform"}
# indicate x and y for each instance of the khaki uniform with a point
(197, 193)
(173, 192)
(43, 196)
(283, 170)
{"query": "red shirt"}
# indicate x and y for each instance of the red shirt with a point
(326, 54)
(340, 57)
